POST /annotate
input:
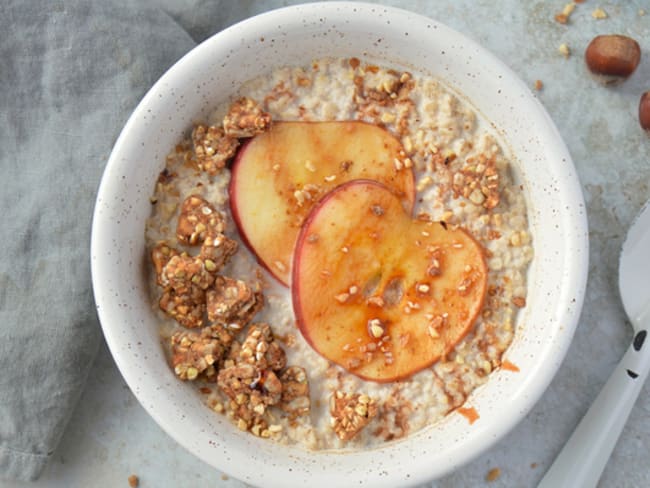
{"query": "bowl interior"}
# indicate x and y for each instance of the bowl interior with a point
(207, 76)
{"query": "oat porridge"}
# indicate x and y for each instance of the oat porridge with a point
(233, 321)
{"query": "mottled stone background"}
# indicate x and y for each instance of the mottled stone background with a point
(110, 435)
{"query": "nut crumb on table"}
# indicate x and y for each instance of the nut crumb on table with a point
(564, 50)
(493, 475)
(134, 481)
(599, 14)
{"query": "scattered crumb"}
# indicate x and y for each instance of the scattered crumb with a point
(599, 14)
(533, 465)
(564, 50)
(134, 481)
(563, 17)
(493, 474)
(539, 85)
(641, 12)
(225, 477)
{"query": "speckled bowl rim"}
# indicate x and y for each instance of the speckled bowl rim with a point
(390, 36)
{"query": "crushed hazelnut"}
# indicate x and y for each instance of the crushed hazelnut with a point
(564, 50)
(232, 301)
(599, 14)
(351, 412)
(213, 148)
(246, 118)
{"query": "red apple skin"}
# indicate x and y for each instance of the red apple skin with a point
(404, 186)
(410, 364)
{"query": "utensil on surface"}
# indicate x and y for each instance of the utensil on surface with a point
(583, 458)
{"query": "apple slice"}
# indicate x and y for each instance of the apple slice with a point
(381, 294)
(278, 176)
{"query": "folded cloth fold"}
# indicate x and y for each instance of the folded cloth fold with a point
(70, 74)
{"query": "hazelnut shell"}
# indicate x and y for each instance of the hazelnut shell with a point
(613, 56)
(644, 111)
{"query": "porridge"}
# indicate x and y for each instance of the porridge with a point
(233, 321)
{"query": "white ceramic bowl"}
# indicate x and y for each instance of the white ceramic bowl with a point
(204, 78)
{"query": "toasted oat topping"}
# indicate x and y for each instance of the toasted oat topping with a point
(245, 119)
(478, 180)
(185, 278)
(232, 301)
(197, 220)
(198, 354)
(212, 148)
(251, 379)
(261, 348)
(250, 391)
(216, 250)
(182, 270)
(350, 412)
(186, 306)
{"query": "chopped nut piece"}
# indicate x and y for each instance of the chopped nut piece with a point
(310, 166)
(375, 301)
(599, 14)
(564, 50)
(232, 301)
(375, 328)
(197, 219)
(423, 288)
(563, 17)
(245, 119)
(351, 412)
(342, 297)
(493, 474)
(134, 481)
(213, 148)
(539, 85)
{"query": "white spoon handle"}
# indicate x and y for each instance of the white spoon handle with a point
(583, 458)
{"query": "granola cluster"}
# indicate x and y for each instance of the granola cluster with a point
(214, 146)
(351, 412)
(188, 280)
(252, 374)
(252, 379)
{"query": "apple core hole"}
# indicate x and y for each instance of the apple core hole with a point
(393, 292)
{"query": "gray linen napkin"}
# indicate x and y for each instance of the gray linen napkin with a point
(70, 74)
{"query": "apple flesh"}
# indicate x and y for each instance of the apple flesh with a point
(278, 176)
(379, 293)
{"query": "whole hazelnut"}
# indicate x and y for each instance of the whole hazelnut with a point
(644, 111)
(613, 57)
